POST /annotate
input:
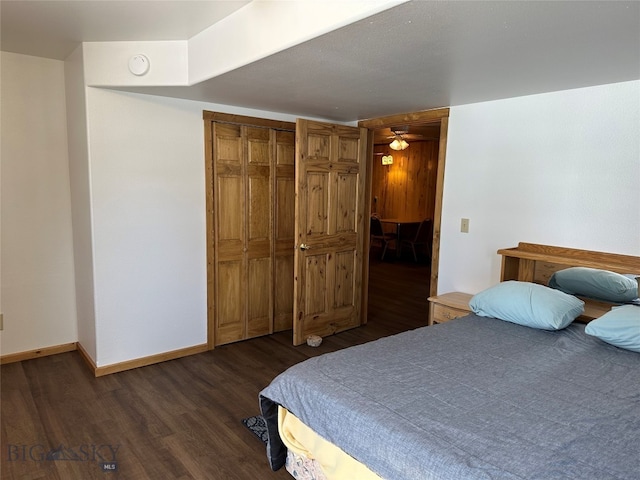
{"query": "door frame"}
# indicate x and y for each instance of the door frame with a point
(440, 115)
(435, 116)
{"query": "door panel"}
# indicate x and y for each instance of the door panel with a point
(227, 143)
(258, 150)
(230, 193)
(259, 299)
(230, 306)
(250, 226)
(243, 158)
(285, 196)
(284, 226)
(229, 235)
(344, 286)
(259, 218)
(316, 284)
(317, 203)
(347, 184)
(229, 183)
(283, 297)
(330, 223)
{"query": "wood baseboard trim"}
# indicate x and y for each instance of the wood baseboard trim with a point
(39, 352)
(87, 358)
(150, 360)
(108, 369)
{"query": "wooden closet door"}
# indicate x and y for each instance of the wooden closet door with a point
(259, 201)
(243, 232)
(229, 234)
(284, 229)
(254, 197)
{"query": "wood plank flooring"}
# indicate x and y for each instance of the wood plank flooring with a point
(178, 419)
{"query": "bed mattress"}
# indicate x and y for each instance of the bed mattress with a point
(475, 398)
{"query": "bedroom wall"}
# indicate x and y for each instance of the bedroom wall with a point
(146, 156)
(147, 194)
(561, 168)
(37, 284)
(79, 177)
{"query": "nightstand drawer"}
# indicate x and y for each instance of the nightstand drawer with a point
(442, 313)
(448, 306)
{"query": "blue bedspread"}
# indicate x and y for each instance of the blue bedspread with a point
(474, 398)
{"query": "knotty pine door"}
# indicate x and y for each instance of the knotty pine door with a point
(252, 218)
(331, 224)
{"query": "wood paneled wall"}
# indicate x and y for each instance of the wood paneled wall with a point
(407, 188)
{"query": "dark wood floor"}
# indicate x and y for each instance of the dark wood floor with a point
(178, 419)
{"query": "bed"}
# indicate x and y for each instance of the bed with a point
(475, 398)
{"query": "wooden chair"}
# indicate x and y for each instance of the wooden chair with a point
(377, 233)
(422, 237)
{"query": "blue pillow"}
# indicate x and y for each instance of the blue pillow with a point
(595, 283)
(619, 327)
(528, 304)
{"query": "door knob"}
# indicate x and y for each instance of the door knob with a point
(304, 247)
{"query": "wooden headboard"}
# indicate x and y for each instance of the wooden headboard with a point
(530, 262)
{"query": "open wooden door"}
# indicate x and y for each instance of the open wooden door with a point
(330, 225)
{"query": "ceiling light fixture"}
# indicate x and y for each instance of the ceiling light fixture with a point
(398, 143)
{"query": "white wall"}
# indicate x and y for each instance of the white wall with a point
(107, 63)
(147, 184)
(146, 157)
(561, 169)
(38, 298)
(130, 179)
(79, 176)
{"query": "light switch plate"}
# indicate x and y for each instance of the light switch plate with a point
(464, 225)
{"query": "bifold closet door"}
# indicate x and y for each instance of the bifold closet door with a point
(253, 241)
(284, 229)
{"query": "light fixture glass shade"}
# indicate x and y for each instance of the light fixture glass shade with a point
(398, 144)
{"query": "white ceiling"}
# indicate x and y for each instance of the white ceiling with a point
(53, 29)
(416, 56)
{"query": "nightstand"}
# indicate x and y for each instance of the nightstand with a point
(448, 306)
